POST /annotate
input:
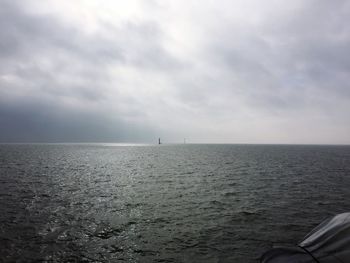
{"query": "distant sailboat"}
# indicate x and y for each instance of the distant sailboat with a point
(159, 141)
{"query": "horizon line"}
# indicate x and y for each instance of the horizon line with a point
(181, 143)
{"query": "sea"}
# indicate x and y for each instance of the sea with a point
(164, 203)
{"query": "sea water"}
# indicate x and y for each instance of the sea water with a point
(168, 203)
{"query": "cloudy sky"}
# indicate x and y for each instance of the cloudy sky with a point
(228, 71)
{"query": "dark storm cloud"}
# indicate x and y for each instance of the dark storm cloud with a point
(238, 71)
(50, 123)
(44, 62)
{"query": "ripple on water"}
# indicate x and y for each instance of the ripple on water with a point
(180, 203)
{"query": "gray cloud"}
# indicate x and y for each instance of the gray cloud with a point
(235, 72)
(43, 122)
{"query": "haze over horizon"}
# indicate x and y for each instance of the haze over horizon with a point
(229, 72)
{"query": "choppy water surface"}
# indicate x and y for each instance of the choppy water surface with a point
(175, 203)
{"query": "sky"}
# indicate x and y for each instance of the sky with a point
(228, 71)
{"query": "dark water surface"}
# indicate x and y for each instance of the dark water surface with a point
(169, 203)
